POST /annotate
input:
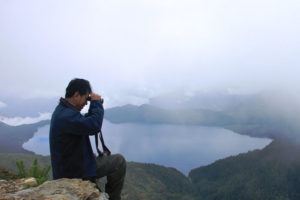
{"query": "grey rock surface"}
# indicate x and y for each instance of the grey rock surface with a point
(65, 189)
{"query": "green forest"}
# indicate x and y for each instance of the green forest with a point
(270, 173)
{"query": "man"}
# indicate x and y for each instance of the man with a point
(70, 148)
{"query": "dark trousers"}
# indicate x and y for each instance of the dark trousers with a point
(114, 168)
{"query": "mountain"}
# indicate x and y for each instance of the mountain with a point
(150, 114)
(154, 182)
(207, 100)
(267, 115)
(261, 115)
(13, 137)
(271, 173)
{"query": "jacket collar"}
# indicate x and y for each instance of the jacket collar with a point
(64, 102)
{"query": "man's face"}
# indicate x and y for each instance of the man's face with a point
(80, 101)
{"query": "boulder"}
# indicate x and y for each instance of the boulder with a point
(29, 181)
(67, 189)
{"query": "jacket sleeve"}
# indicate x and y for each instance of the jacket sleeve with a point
(86, 125)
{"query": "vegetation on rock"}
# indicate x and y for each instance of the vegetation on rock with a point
(41, 175)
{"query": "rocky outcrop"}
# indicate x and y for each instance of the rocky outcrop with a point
(66, 189)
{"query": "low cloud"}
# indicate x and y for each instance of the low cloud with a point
(16, 121)
(2, 105)
(159, 45)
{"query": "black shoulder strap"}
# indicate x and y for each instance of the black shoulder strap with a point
(96, 140)
(106, 151)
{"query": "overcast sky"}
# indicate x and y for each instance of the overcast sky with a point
(135, 49)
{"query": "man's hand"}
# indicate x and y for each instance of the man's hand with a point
(95, 96)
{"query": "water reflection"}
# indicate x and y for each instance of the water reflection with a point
(182, 147)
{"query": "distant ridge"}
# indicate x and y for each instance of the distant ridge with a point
(151, 114)
(257, 115)
(13, 137)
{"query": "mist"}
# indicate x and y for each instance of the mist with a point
(190, 54)
(16, 121)
(132, 51)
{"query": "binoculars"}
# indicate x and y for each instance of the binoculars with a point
(89, 99)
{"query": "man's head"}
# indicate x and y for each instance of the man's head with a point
(77, 92)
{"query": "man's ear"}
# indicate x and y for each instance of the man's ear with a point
(76, 94)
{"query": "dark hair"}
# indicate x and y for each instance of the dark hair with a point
(78, 85)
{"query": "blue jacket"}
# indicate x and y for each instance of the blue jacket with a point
(70, 148)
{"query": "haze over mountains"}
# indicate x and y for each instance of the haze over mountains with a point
(14, 106)
(209, 100)
(267, 113)
(270, 173)
(278, 102)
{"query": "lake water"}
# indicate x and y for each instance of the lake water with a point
(179, 146)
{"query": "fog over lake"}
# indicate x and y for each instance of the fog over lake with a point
(179, 146)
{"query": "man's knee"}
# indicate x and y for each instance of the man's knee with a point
(121, 161)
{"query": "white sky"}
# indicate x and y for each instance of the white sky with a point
(2, 105)
(135, 49)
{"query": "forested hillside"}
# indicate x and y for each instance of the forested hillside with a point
(154, 182)
(271, 173)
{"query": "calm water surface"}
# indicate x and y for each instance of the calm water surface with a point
(179, 146)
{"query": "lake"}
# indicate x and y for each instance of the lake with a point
(183, 147)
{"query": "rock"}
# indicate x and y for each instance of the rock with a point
(67, 189)
(9, 187)
(29, 181)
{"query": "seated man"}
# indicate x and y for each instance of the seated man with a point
(70, 148)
